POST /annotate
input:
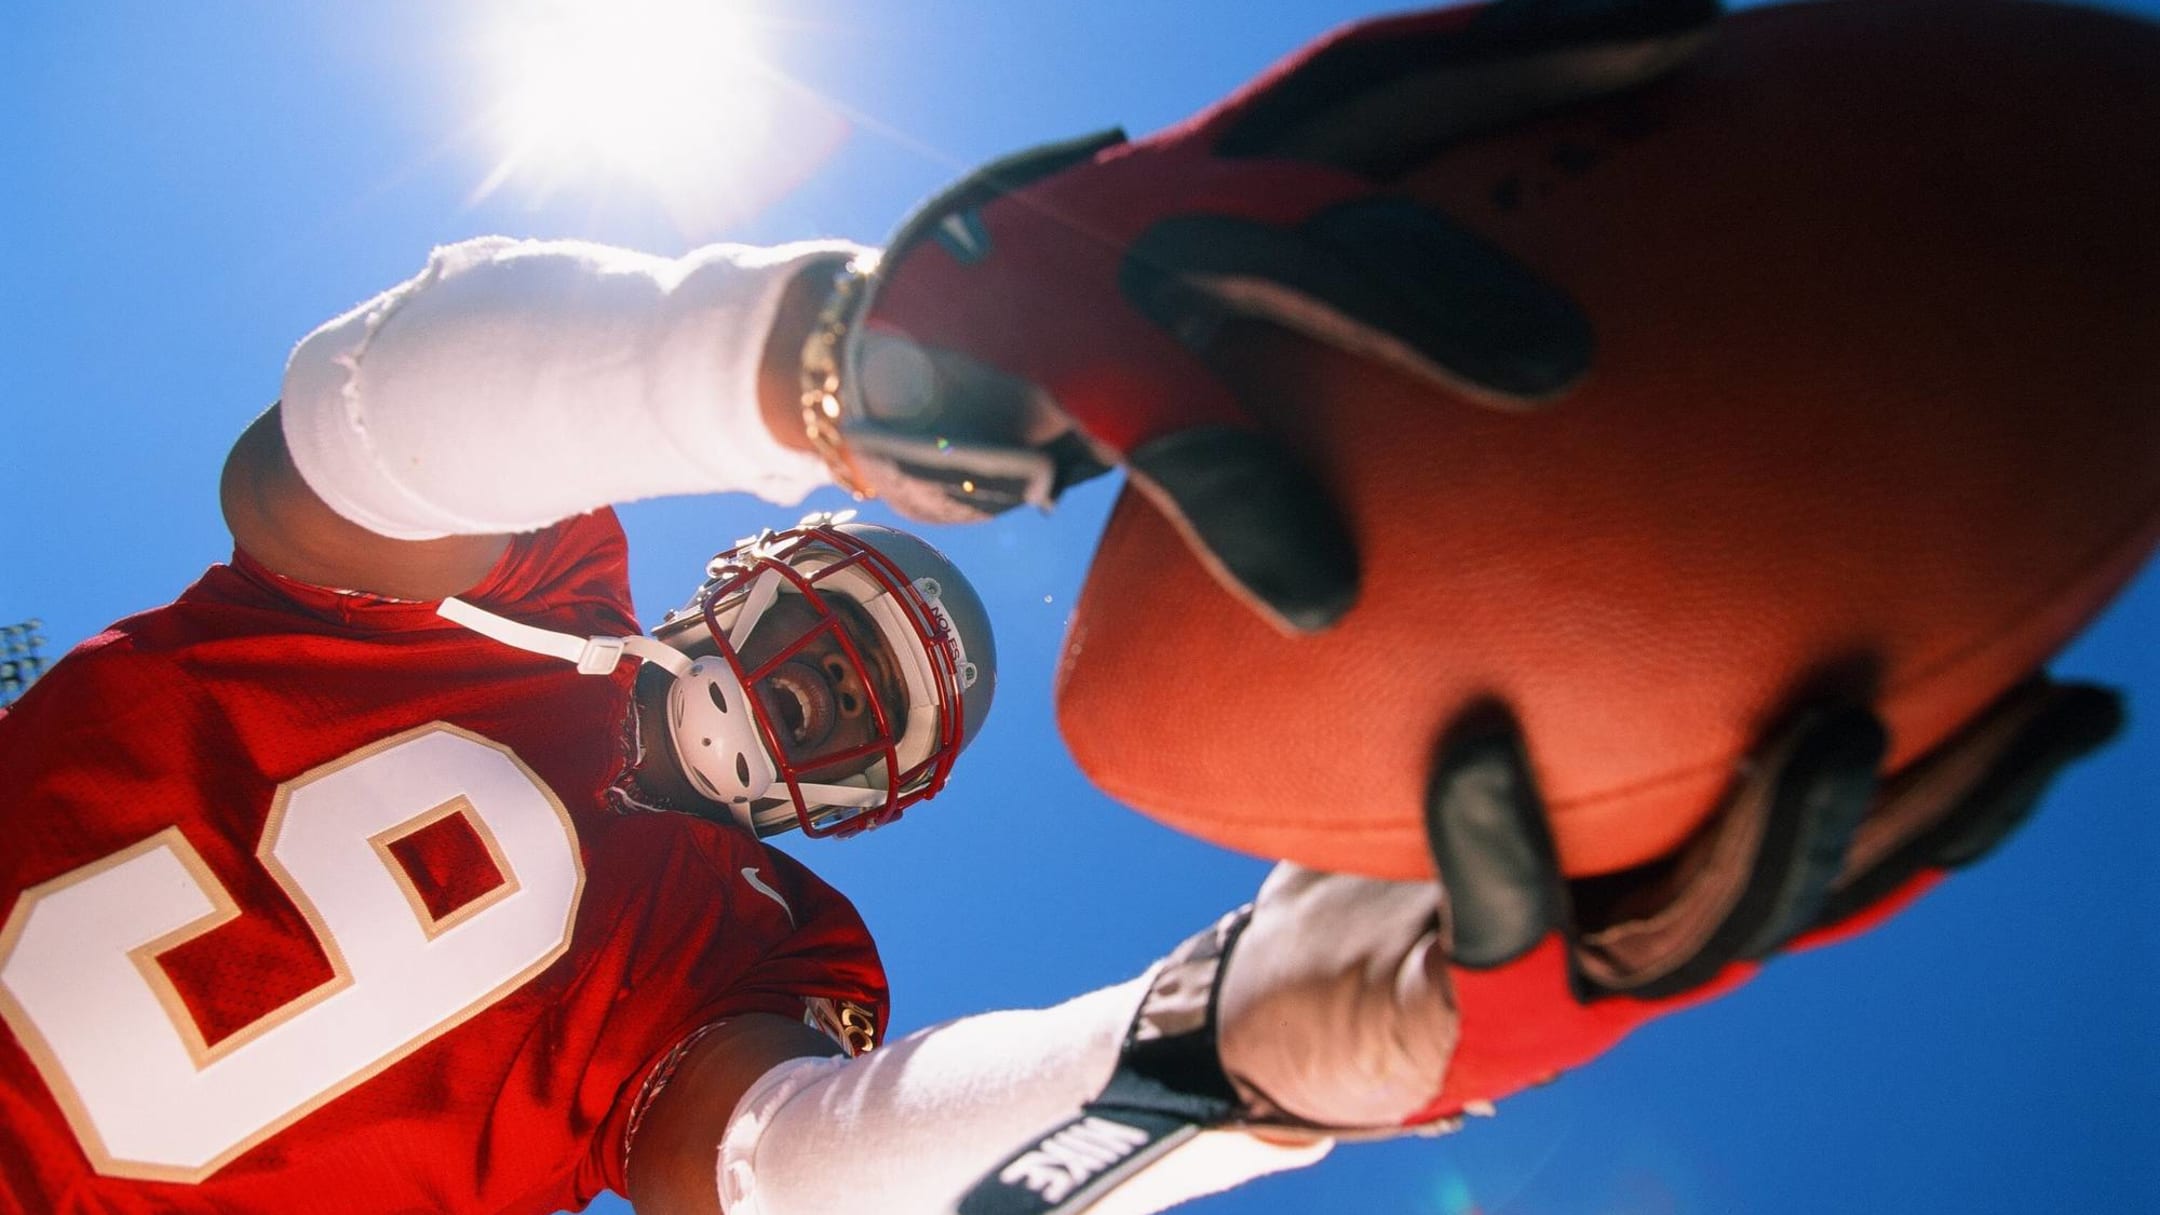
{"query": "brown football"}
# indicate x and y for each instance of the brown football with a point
(1876, 396)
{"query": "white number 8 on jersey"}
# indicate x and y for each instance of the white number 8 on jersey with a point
(81, 986)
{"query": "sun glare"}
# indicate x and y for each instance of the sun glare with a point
(673, 98)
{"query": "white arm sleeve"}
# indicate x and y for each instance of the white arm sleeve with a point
(514, 383)
(909, 1127)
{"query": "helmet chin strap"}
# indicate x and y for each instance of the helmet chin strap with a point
(591, 655)
(599, 656)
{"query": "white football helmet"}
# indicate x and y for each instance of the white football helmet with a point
(825, 676)
(837, 669)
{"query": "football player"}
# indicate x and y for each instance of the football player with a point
(390, 868)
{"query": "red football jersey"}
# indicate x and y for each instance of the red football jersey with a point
(315, 901)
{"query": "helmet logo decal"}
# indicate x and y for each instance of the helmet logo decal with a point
(948, 634)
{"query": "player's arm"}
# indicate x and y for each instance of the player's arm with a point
(1321, 1009)
(513, 384)
(280, 522)
(673, 1158)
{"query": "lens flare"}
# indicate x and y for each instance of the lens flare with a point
(1451, 1195)
(675, 99)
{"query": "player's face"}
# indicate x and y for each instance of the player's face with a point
(818, 699)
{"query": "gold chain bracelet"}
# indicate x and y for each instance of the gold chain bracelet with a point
(821, 379)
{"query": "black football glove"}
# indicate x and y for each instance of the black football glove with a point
(1549, 972)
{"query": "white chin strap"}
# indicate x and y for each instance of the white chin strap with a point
(591, 655)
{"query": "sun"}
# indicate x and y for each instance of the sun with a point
(675, 99)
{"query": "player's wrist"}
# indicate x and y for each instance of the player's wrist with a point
(798, 314)
(821, 359)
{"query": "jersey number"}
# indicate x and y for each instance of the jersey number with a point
(81, 986)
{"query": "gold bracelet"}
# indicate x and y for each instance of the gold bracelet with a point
(821, 386)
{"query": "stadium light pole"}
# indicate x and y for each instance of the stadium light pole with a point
(21, 659)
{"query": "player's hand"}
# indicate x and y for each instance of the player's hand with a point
(1348, 1004)
(1354, 1004)
(1319, 1010)
(1334, 1010)
(1322, 1008)
(1056, 313)
(1547, 973)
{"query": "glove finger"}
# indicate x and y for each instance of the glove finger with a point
(1385, 94)
(1824, 782)
(1749, 882)
(1256, 519)
(1954, 805)
(1383, 277)
(1491, 843)
(907, 387)
(947, 438)
(1754, 876)
(2078, 720)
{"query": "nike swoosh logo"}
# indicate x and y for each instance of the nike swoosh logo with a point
(750, 875)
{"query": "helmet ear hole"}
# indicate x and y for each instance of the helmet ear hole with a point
(719, 701)
(742, 767)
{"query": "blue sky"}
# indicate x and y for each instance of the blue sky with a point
(189, 189)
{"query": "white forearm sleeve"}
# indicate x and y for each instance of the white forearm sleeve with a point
(514, 383)
(907, 1128)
